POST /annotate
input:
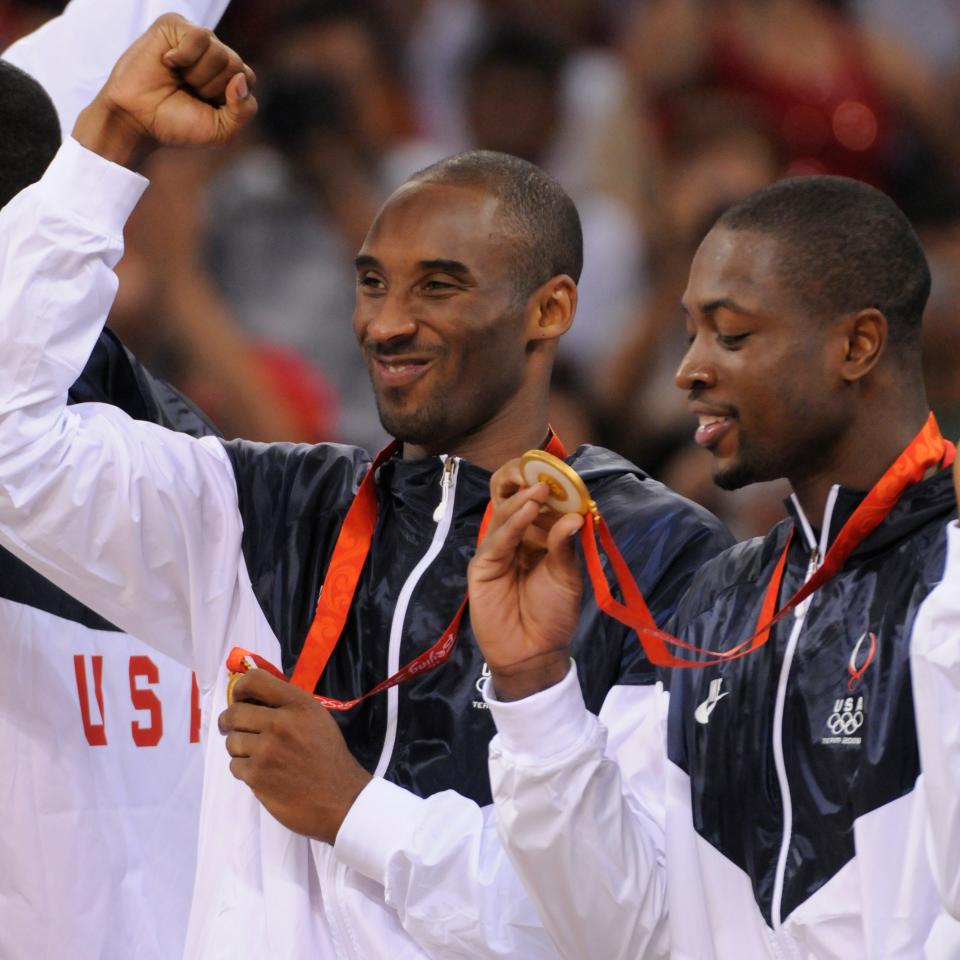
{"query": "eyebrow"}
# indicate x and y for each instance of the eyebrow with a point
(364, 261)
(724, 303)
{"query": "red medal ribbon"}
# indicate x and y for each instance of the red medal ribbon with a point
(927, 449)
(339, 586)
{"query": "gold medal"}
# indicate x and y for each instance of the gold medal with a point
(568, 493)
(231, 683)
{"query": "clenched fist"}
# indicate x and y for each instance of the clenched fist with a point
(177, 85)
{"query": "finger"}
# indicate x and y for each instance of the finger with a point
(214, 90)
(263, 688)
(502, 512)
(248, 717)
(192, 43)
(506, 482)
(216, 60)
(561, 553)
(209, 76)
(241, 744)
(241, 768)
(499, 548)
(239, 108)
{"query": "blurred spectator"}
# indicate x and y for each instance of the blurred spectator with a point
(20, 17)
(840, 98)
(513, 104)
(941, 322)
(717, 155)
(168, 311)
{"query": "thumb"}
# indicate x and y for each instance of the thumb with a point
(239, 106)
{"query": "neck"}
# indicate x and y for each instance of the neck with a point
(508, 435)
(861, 459)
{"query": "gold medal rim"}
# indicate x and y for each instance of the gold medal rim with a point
(565, 470)
(231, 683)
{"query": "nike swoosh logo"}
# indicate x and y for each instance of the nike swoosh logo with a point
(702, 713)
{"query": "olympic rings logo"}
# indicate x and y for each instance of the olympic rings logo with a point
(845, 723)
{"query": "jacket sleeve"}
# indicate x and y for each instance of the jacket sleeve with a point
(582, 816)
(463, 892)
(71, 55)
(935, 669)
(137, 522)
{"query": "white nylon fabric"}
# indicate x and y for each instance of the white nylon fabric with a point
(100, 759)
(935, 668)
(598, 842)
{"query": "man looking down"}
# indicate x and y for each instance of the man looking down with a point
(780, 801)
(465, 282)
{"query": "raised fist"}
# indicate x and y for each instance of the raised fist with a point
(177, 85)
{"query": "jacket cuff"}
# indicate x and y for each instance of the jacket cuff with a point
(543, 726)
(83, 186)
(382, 817)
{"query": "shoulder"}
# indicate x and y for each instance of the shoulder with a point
(744, 565)
(293, 476)
(630, 499)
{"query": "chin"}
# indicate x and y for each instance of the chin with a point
(416, 427)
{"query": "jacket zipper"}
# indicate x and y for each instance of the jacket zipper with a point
(443, 515)
(817, 553)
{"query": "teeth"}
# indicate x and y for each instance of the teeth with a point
(705, 420)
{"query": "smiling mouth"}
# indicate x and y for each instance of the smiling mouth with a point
(400, 371)
(711, 429)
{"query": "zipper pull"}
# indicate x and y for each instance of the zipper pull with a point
(446, 484)
(800, 611)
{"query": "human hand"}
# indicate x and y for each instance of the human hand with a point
(524, 588)
(177, 85)
(287, 748)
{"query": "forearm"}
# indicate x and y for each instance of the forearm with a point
(590, 857)
(123, 516)
(444, 871)
(935, 668)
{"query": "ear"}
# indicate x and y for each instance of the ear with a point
(864, 338)
(551, 309)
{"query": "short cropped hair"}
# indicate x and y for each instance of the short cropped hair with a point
(542, 220)
(845, 246)
(29, 131)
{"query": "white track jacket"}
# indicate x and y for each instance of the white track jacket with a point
(100, 757)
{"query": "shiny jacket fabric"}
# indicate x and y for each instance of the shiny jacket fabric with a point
(293, 500)
(112, 375)
(846, 749)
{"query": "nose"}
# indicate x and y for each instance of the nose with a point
(386, 319)
(695, 371)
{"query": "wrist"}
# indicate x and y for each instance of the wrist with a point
(113, 134)
(357, 782)
(530, 677)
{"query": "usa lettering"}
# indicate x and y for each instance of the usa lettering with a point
(142, 704)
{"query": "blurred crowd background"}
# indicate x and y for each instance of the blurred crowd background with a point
(238, 282)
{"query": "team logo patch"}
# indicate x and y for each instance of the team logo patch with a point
(714, 696)
(844, 723)
(480, 703)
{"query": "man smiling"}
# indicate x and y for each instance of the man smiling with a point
(465, 282)
(792, 820)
